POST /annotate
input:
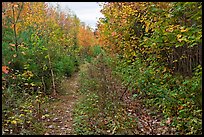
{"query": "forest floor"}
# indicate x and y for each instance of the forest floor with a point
(60, 111)
(61, 108)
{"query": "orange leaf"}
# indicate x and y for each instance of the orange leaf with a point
(4, 69)
(113, 33)
(181, 107)
(15, 5)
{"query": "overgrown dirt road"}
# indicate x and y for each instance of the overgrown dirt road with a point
(60, 110)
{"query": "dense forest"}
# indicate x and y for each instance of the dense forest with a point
(138, 73)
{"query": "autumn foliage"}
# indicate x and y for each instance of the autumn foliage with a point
(159, 45)
(149, 51)
(40, 46)
(86, 37)
(173, 38)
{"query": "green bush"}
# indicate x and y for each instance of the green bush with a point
(174, 96)
(65, 66)
(96, 50)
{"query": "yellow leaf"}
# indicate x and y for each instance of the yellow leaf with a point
(14, 122)
(134, 54)
(164, 70)
(179, 40)
(147, 27)
(170, 29)
(184, 30)
(179, 35)
(22, 115)
(155, 19)
(175, 61)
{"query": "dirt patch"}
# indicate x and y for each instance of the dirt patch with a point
(60, 110)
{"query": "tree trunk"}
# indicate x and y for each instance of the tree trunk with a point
(52, 74)
(44, 88)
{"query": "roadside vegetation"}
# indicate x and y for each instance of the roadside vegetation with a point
(139, 71)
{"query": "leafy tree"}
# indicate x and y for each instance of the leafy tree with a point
(156, 52)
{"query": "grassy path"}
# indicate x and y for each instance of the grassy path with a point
(60, 110)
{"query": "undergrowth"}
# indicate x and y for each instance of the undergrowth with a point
(177, 98)
(100, 111)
